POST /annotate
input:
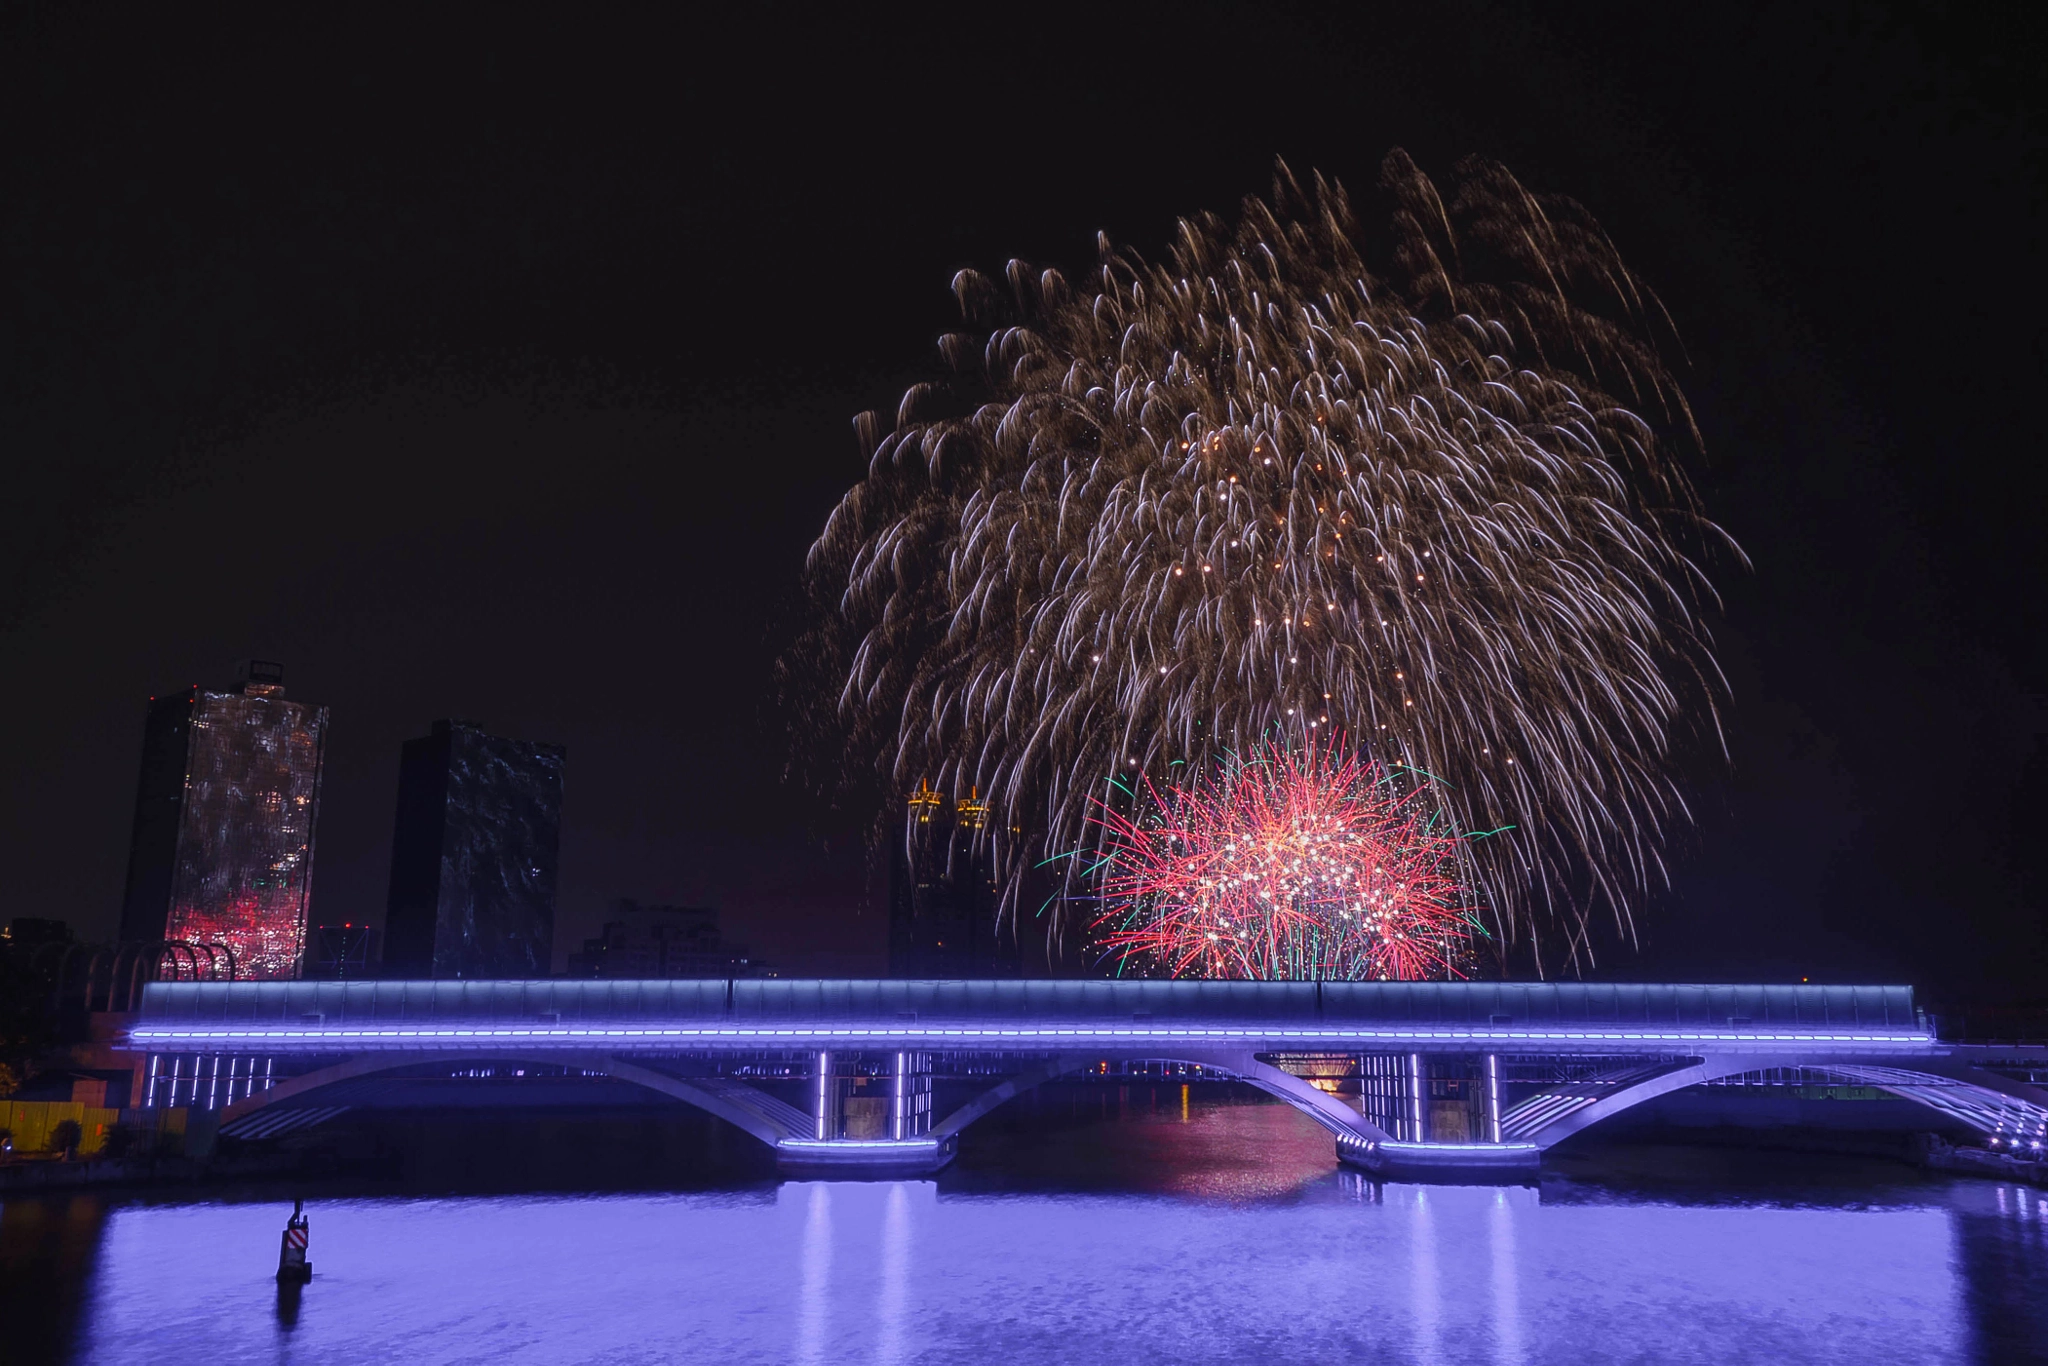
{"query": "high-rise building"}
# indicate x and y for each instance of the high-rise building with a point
(943, 899)
(473, 856)
(222, 847)
(662, 941)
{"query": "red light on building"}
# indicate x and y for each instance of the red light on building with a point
(223, 850)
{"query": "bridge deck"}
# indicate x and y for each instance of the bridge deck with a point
(1027, 1014)
(726, 1015)
(1434, 1003)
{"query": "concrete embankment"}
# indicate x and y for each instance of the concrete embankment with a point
(1937, 1154)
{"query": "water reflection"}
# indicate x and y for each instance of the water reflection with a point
(889, 1312)
(1426, 1304)
(1231, 1147)
(2001, 1252)
(814, 1298)
(1219, 1261)
(1507, 1299)
(47, 1250)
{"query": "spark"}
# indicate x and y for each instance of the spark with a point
(1294, 861)
(1496, 387)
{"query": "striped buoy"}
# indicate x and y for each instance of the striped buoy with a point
(292, 1266)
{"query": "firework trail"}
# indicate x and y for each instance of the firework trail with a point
(1263, 488)
(1294, 862)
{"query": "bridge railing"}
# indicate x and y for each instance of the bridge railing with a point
(1491, 1005)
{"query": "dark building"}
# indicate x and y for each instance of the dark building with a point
(473, 856)
(943, 900)
(222, 846)
(27, 932)
(345, 952)
(662, 941)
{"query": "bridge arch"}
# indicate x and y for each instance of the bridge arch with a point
(1332, 1114)
(754, 1112)
(1983, 1100)
(1994, 1105)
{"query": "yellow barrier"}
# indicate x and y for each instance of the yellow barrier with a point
(32, 1122)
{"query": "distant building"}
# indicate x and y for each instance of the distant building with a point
(345, 952)
(943, 899)
(662, 941)
(473, 856)
(222, 846)
(26, 932)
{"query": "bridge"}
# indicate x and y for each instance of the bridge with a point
(1476, 1079)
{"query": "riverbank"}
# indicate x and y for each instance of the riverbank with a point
(51, 1174)
(1942, 1156)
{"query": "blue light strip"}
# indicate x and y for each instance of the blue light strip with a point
(1390, 1145)
(892, 1144)
(169, 1038)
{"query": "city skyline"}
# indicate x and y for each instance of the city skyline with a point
(552, 400)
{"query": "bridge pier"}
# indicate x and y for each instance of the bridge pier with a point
(871, 1115)
(1437, 1116)
(859, 1158)
(1503, 1163)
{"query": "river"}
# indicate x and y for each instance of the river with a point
(1130, 1227)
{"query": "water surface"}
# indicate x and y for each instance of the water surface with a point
(1085, 1229)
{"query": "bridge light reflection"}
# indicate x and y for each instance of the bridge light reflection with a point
(892, 1305)
(1507, 1296)
(814, 1296)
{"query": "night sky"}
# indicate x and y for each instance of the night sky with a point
(504, 370)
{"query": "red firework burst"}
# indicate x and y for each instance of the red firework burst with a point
(1291, 862)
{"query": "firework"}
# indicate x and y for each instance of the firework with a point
(1267, 488)
(1295, 861)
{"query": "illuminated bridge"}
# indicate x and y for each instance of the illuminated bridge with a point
(884, 1075)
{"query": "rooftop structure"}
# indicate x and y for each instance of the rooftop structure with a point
(661, 942)
(342, 952)
(943, 899)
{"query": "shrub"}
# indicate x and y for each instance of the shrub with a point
(66, 1137)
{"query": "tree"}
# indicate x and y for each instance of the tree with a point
(28, 1027)
(66, 1137)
